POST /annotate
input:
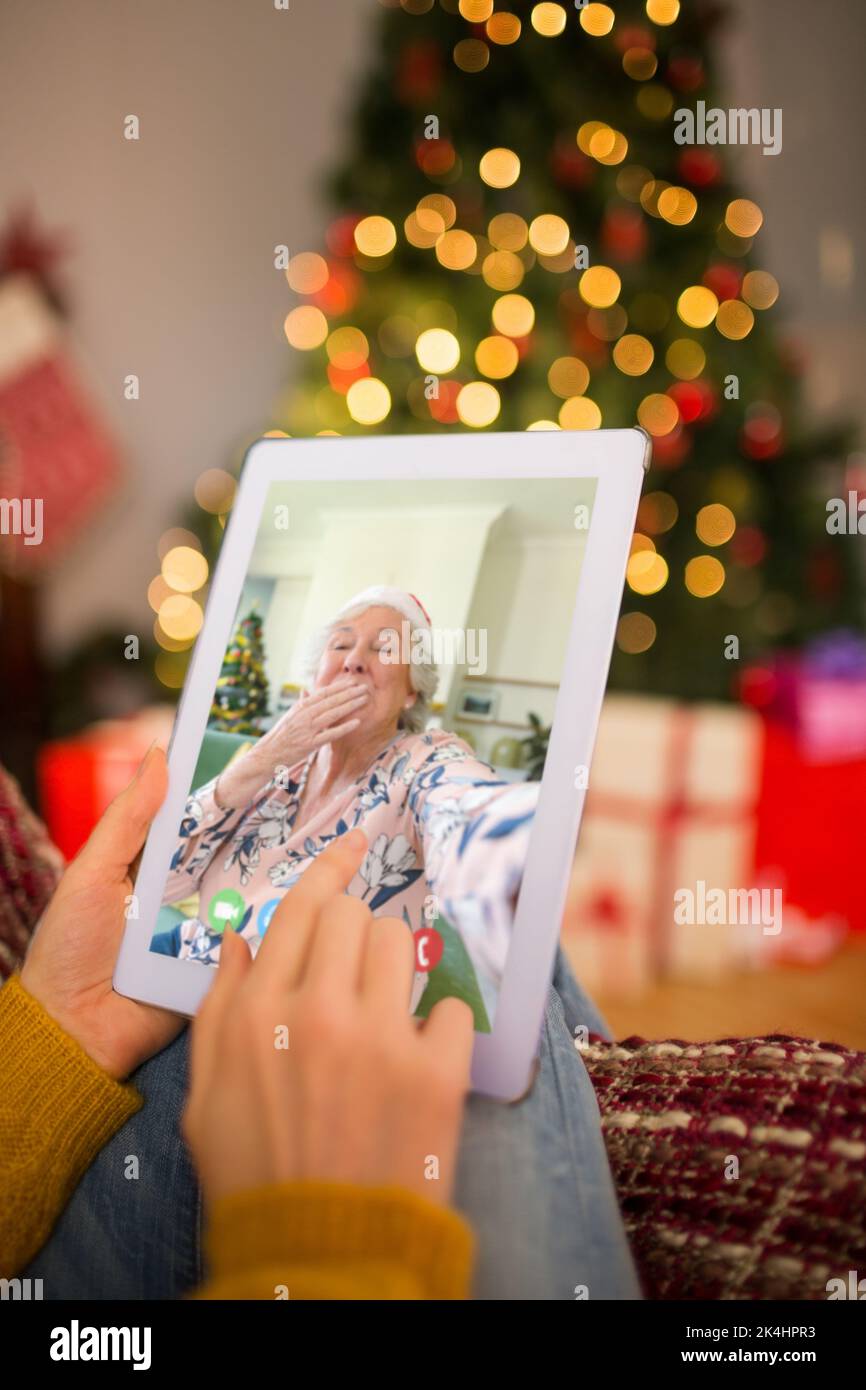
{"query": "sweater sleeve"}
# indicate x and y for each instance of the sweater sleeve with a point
(57, 1110)
(328, 1240)
(206, 827)
(298, 1240)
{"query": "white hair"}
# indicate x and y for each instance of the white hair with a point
(423, 675)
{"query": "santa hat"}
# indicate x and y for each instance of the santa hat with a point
(383, 596)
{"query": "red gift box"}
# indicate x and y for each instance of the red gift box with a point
(80, 776)
(810, 829)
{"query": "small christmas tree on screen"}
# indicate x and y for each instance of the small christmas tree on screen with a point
(241, 697)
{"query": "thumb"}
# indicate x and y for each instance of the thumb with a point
(120, 834)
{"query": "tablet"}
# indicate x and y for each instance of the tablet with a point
(411, 635)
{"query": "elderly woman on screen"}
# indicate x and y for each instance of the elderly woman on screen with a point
(354, 751)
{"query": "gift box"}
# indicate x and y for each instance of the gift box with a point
(810, 838)
(818, 693)
(79, 777)
(669, 826)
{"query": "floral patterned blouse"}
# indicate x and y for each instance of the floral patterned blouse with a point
(437, 819)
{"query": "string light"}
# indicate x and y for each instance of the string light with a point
(633, 354)
(347, 348)
(658, 414)
(368, 401)
(760, 289)
(663, 12)
(215, 493)
(423, 234)
(548, 234)
(503, 28)
(471, 55)
(646, 572)
(499, 168)
(157, 592)
(436, 210)
(597, 20)
(513, 315)
(640, 542)
(170, 644)
(579, 413)
(743, 217)
(548, 20)
(437, 350)
(456, 250)
(640, 64)
(685, 359)
(677, 206)
(502, 270)
(478, 404)
(657, 513)
(650, 195)
(568, 376)
(587, 131)
(715, 524)
(635, 633)
(180, 618)
(734, 319)
(476, 11)
(375, 236)
(600, 286)
(697, 306)
(705, 576)
(306, 327)
(185, 570)
(496, 357)
(170, 669)
(307, 273)
(508, 232)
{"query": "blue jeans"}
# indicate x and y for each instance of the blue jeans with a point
(533, 1181)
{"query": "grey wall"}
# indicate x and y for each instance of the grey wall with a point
(241, 109)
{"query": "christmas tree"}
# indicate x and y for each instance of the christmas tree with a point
(520, 242)
(523, 244)
(241, 696)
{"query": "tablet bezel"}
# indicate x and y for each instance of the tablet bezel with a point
(618, 459)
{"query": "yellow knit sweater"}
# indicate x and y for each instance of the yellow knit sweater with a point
(291, 1240)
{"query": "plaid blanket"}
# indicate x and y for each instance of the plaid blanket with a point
(30, 865)
(739, 1164)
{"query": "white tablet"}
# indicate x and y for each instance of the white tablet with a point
(411, 635)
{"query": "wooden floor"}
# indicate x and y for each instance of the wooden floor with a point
(827, 1002)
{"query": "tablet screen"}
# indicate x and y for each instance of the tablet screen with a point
(394, 660)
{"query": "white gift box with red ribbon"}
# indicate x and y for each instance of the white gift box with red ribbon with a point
(671, 805)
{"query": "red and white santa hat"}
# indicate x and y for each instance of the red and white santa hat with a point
(384, 596)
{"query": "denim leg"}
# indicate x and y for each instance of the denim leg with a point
(133, 1237)
(577, 1007)
(534, 1182)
